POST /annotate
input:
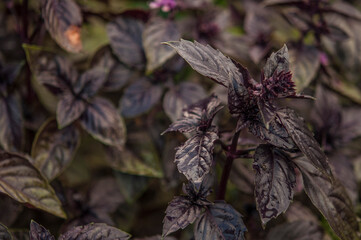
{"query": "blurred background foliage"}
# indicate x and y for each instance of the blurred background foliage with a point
(128, 184)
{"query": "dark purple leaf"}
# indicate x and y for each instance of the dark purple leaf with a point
(350, 127)
(198, 194)
(220, 221)
(276, 134)
(298, 230)
(156, 31)
(103, 122)
(8, 74)
(95, 231)
(63, 20)
(54, 72)
(125, 36)
(277, 62)
(274, 182)
(304, 140)
(179, 214)
(11, 122)
(331, 199)
(4, 233)
(38, 232)
(53, 149)
(89, 83)
(207, 61)
(304, 65)
(23, 182)
(198, 115)
(118, 74)
(69, 109)
(139, 97)
(182, 96)
(195, 157)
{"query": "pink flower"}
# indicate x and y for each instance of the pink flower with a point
(165, 5)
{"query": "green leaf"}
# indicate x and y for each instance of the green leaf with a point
(23, 182)
(103, 122)
(127, 162)
(53, 149)
(156, 31)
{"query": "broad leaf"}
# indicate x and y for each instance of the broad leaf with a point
(220, 221)
(69, 109)
(179, 214)
(304, 66)
(53, 149)
(331, 199)
(128, 162)
(277, 62)
(102, 121)
(4, 233)
(63, 20)
(139, 97)
(304, 140)
(125, 37)
(182, 96)
(207, 61)
(89, 83)
(118, 74)
(38, 232)
(54, 72)
(274, 182)
(198, 115)
(11, 122)
(23, 182)
(195, 157)
(156, 31)
(95, 231)
(276, 134)
(298, 230)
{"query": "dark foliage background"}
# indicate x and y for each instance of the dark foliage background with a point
(91, 102)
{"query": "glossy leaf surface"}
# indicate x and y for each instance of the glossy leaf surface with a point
(207, 61)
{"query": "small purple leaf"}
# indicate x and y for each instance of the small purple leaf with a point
(179, 214)
(38, 232)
